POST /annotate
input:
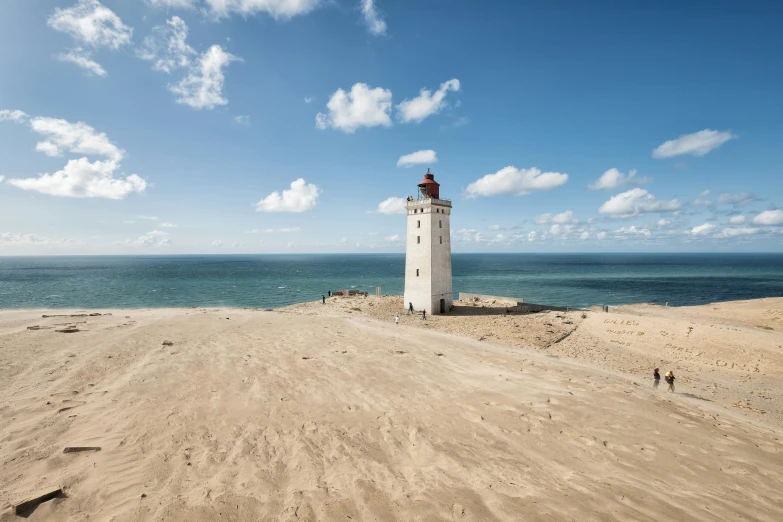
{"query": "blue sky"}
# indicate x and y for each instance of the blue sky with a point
(253, 126)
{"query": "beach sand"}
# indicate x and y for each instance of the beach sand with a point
(331, 412)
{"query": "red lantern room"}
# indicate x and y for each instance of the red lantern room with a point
(429, 188)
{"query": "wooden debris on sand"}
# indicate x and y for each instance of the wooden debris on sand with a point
(168, 343)
(20, 508)
(77, 449)
(67, 330)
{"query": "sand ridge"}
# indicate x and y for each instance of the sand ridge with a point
(312, 413)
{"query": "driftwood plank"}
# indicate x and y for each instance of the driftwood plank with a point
(76, 449)
(31, 502)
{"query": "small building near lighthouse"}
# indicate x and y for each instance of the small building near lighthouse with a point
(428, 249)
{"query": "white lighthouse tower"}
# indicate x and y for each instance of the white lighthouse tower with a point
(428, 250)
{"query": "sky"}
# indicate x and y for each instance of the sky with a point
(300, 126)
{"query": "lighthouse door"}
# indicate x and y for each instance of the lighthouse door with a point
(443, 306)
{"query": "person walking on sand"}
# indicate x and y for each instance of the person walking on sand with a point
(410, 308)
(670, 380)
(397, 320)
(424, 315)
(656, 378)
(323, 299)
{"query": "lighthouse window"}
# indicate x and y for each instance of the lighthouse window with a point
(417, 272)
(441, 240)
(440, 224)
(418, 239)
(418, 224)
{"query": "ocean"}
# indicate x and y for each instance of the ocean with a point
(269, 281)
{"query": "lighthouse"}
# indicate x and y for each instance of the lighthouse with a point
(428, 249)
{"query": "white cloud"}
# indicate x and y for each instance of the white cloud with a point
(700, 200)
(495, 227)
(392, 205)
(362, 107)
(16, 116)
(394, 238)
(741, 231)
(9, 239)
(633, 230)
(601, 236)
(663, 223)
(560, 230)
(518, 182)
(243, 120)
(167, 46)
(237, 244)
(769, 217)
(91, 23)
(2, 178)
(738, 200)
(148, 218)
(217, 242)
(415, 158)
(532, 236)
(696, 144)
(84, 60)
(585, 235)
(202, 88)
(308, 99)
(702, 230)
(737, 220)
(154, 238)
(562, 218)
(78, 137)
(299, 198)
(79, 178)
(343, 240)
(426, 103)
(374, 21)
(636, 201)
(278, 9)
(613, 178)
(184, 4)
(168, 225)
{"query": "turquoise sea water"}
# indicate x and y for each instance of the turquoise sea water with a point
(277, 280)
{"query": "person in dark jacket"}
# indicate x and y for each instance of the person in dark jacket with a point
(410, 308)
(656, 378)
(424, 315)
(670, 380)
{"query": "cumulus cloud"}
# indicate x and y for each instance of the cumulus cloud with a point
(701, 200)
(10, 239)
(168, 225)
(737, 200)
(740, 231)
(769, 218)
(91, 23)
(532, 236)
(518, 182)
(79, 178)
(185, 4)
(562, 218)
(361, 107)
(243, 120)
(392, 205)
(696, 144)
(202, 87)
(633, 230)
(636, 201)
(203, 75)
(83, 59)
(663, 223)
(416, 158)
(217, 242)
(737, 220)
(299, 198)
(372, 19)
(2, 178)
(613, 178)
(167, 46)
(426, 103)
(154, 238)
(601, 236)
(702, 230)
(585, 235)
(308, 99)
(395, 238)
(277, 9)
(15, 116)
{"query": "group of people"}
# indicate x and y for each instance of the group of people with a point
(669, 377)
(410, 311)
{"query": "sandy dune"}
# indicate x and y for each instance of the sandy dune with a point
(315, 413)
